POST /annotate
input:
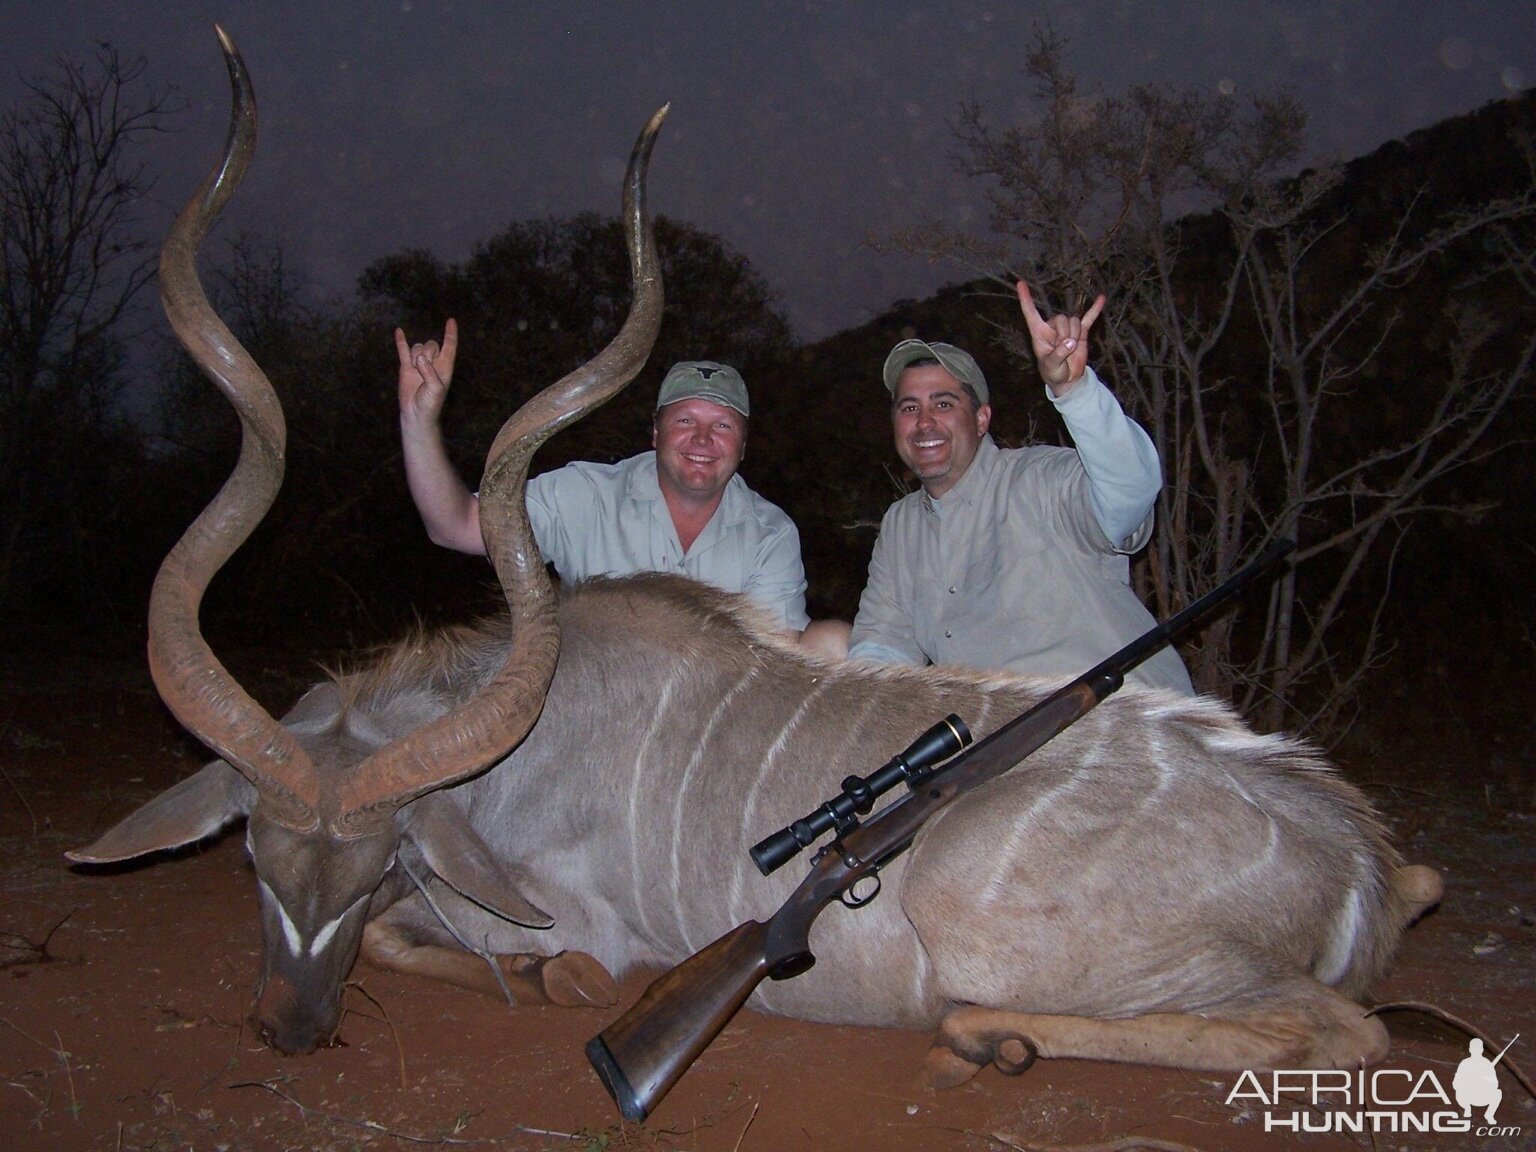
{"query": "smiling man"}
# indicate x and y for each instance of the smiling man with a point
(680, 508)
(1012, 558)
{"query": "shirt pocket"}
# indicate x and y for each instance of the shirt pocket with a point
(1006, 563)
(993, 587)
(986, 571)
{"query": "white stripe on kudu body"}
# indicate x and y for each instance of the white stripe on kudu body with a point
(1157, 864)
(1197, 851)
(661, 719)
(682, 833)
(765, 778)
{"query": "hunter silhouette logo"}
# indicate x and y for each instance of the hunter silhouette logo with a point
(1476, 1084)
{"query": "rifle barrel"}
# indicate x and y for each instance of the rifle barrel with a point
(1151, 642)
(1023, 735)
(643, 1053)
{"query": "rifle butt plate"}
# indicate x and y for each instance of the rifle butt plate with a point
(613, 1078)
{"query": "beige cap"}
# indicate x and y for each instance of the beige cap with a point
(956, 361)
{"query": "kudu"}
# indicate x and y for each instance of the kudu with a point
(1158, 885)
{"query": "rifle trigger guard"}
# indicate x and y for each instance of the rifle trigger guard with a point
(850, 897)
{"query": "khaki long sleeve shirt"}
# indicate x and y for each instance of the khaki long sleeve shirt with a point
(1011, 568)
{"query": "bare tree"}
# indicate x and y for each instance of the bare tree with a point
(70, 182)
(1248, 318)
(1354, 506)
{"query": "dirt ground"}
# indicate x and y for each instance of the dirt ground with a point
(123, 993)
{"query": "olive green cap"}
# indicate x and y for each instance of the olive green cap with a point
(719, 383)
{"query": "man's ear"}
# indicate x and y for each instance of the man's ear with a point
(983, 419)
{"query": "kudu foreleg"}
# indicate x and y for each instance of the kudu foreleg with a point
(1317, 1029)
(568, 979)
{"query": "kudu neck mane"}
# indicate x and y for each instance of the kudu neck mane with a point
(674, 614)
(676, 619)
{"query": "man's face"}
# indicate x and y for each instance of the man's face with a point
(937, 429)
(699, 445)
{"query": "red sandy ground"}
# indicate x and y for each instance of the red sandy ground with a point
(123, 996)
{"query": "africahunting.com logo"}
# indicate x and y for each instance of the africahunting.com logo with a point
(1380, 1100)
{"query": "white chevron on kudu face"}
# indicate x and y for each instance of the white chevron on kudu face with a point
(1157, 884)
(1156, 861)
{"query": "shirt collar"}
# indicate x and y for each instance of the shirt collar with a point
(973, 483)
(641, 483)
(644, 486)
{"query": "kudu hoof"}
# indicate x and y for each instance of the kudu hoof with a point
(568, 979)
(576, 980)
(943, 1067)
(970, 1038)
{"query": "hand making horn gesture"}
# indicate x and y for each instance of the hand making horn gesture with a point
(426, 370)
(1061, 343)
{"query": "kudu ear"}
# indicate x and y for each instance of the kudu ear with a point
(455, 852)
(186, 812)
(315, 711)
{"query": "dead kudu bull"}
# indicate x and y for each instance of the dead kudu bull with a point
(1158, 885)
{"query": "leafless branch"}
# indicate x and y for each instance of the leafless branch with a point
(1100, 189)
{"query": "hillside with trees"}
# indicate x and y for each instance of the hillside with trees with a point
(1342, 355)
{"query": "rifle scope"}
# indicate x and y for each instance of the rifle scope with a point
(859, 793)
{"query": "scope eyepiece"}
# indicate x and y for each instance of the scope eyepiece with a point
(937, 744)
(859, 793)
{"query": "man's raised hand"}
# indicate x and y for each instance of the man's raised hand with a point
(1060, 343)
(426, 370)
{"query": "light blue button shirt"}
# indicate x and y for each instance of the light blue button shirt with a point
(611, 520)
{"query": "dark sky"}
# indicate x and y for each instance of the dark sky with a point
(796, 127)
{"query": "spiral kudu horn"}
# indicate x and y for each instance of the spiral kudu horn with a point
(487, 727)
(195, 686)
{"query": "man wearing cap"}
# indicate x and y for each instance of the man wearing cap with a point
(680, 508)
(1012, 558)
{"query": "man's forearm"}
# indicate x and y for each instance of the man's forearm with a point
(1124, 475)
(447, 507)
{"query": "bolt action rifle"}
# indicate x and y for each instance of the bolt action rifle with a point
(643, 1053)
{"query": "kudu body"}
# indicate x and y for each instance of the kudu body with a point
(1158, 884)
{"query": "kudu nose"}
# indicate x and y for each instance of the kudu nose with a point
(295, 1038)
(285, 1022)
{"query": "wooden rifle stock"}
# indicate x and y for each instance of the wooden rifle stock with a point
(640, 1056)
(643, 1053)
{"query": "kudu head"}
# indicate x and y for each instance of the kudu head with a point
(334, 799)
